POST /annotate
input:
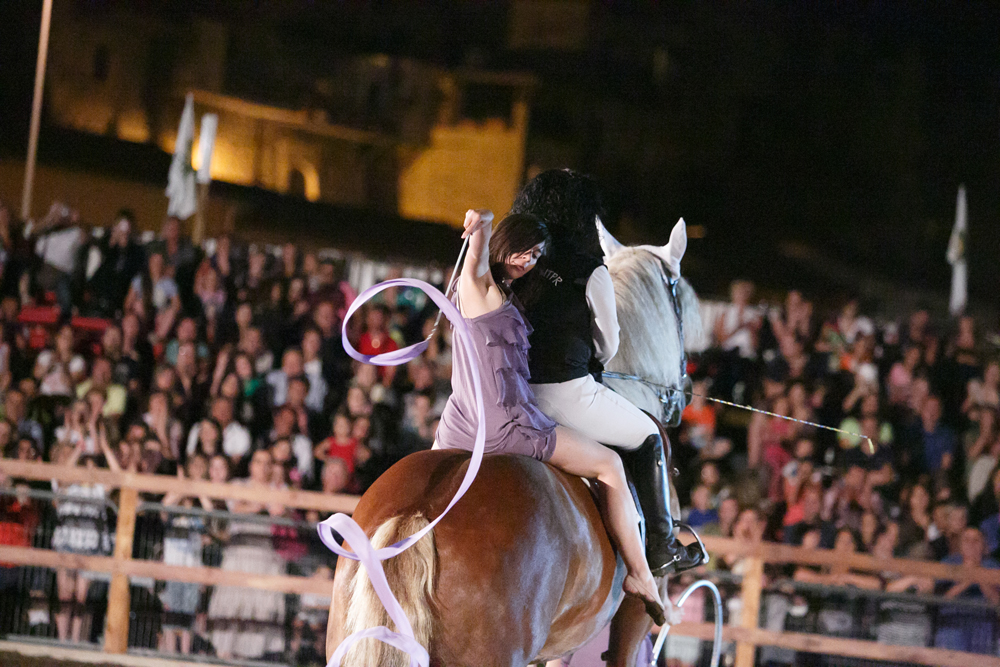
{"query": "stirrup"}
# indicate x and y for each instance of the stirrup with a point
(701, 545)
(681, 560)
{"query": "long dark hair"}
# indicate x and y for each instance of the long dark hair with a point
(516, 233)
(568, 201)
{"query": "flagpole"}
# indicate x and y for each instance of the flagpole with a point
(206, 144)
(36, 110)
(198, 232)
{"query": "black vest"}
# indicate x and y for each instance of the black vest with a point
(554, 296)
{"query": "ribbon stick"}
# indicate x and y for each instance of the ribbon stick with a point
(352, 533)
(717, 644)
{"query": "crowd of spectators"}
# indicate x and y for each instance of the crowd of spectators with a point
(927, 487)
(228, 365)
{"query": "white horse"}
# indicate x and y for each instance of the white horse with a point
(648, 306)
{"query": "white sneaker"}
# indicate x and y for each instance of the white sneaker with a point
(38, 617)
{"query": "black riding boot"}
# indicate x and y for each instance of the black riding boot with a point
(665, 554)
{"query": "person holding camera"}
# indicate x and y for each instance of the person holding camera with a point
(121, 259)
(58, 239)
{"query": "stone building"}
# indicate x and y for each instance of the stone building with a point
(375, 131)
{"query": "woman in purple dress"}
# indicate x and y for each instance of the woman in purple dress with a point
(514, 423)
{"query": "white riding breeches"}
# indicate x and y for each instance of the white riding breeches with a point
(597, 412)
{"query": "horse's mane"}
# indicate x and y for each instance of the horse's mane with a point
(649, 346)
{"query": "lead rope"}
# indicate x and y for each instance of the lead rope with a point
(663, 389)
(871, 445)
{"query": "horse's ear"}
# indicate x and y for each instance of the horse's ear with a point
(673, 252)
(609, 244)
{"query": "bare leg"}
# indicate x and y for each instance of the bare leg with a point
(65, 587)
(185, 642)
(579, 455)
(81, 598)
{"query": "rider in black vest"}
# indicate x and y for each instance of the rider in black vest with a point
(557, 305)
(569, 301)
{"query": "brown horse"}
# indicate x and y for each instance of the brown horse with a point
(521, 570)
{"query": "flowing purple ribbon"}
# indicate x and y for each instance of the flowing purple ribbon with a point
(351, 532)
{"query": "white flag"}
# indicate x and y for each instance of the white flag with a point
(956, 257)
(180, 181)
(206, 142)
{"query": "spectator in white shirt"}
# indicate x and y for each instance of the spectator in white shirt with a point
(59, 370)
(737, 327)
(291, 366)
(58, 240)
(235, 436)
(285, 428)
(312, 364)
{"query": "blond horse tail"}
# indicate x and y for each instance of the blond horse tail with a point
(411, 578)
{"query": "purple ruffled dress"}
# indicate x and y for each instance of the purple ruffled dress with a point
(514, 422)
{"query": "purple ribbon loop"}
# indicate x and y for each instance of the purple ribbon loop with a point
(352, 533)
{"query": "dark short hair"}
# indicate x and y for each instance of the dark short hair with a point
(568, 202)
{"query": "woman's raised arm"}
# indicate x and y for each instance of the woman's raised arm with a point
(476, 280)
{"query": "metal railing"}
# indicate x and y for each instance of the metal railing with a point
(155, 591)
(165, 616)
(758, 613)
(131, 624)
(900, 619)
(29, 598)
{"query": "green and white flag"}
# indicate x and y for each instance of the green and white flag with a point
(956, 257)
(180, 180)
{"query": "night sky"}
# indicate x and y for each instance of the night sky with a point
(839, 130)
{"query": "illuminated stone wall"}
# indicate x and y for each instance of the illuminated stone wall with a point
(470, 163)
(422, 155)
(466, 166)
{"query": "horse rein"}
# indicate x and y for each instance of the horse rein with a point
(667, 396)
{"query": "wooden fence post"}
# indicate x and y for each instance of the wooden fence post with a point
(753, 581)
(116, 625)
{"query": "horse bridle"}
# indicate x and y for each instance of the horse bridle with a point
(673, 400)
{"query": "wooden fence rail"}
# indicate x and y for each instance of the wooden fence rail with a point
(746, 634)
(306, 500)
(771, 552)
